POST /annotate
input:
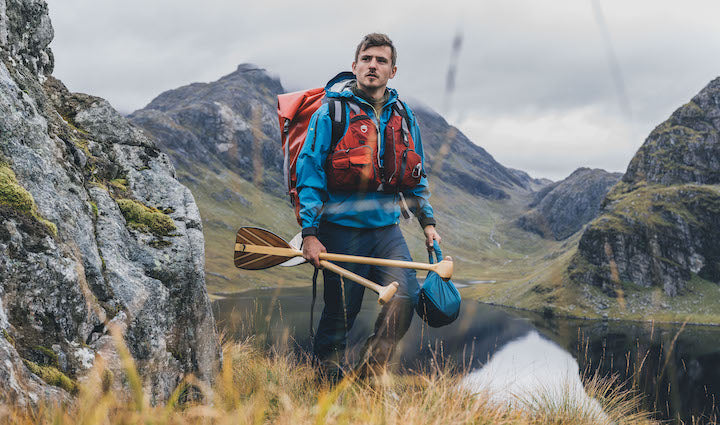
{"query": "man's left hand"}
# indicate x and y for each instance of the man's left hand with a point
(430, 235)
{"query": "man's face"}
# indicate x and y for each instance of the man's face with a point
(374, 67)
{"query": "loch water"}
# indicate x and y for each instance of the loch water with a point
(675, 367)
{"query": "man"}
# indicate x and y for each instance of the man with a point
(351, 195)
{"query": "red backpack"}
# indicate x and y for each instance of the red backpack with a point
(294, 112)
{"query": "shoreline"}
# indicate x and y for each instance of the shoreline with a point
(215, 296)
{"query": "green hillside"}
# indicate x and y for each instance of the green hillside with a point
(477, 233)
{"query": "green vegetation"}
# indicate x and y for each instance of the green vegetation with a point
(160, 243)
(8, 337)
(52, 376)
(19, 199)
(120, 184)
(471, 227)
(653, 204)
(679, 133)
(699, 303)
(222, 219)
(12, 194)
(146, 219)
(48, 354)
(260, 386)
(95, 211)
(83, 144)
(71, 123)
(693, 109)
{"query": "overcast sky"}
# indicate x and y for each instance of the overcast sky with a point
(545, 86)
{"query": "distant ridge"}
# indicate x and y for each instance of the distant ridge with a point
(660, 225)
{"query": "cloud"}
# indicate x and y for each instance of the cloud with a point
(521, 60)
(553, 144)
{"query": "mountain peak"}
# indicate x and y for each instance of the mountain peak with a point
(247, 67)
(683, 149)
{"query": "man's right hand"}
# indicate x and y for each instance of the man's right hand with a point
(311, 248)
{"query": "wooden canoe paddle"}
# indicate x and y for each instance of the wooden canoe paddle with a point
(276, 251)
(252, 243)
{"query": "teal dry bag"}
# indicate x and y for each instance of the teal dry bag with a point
(439, 302)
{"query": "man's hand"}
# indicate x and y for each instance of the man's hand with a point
(312, 247)
(430, 235)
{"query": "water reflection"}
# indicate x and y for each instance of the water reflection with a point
(676, 368)
(534, 372)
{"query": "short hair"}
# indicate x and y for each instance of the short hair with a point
(375, 40)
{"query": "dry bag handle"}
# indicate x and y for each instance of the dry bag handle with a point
(438, 252)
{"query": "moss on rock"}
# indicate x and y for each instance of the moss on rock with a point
(50, 357)
(8, 337)
(52, 376)
(18, 198)
(12, 194)
(146, 219)
(120, 184)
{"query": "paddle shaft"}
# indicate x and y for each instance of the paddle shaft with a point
(289, 252)
(385, 293)
(350, 275)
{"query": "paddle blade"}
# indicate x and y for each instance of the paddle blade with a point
(295, 261)
(257, 236)
(296, 243)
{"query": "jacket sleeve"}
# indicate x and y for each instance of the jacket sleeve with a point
(418, 197)
(311, 178)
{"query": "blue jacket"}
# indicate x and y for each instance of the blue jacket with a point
(352, 209)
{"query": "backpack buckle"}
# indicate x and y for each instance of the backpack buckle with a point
(417, 171)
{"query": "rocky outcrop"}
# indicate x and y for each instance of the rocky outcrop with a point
(25, 34)
(563, 208)
(230, 123)
(530, 182)
(661, 223)
(95, 231)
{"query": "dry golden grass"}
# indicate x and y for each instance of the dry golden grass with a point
(260, 386)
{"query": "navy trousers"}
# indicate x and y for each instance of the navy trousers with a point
(343, 301)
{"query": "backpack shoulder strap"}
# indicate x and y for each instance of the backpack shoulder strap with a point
(337, 115)
(401, 109)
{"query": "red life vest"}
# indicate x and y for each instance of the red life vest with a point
(354, 162)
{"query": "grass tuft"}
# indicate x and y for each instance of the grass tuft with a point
(263, 385)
